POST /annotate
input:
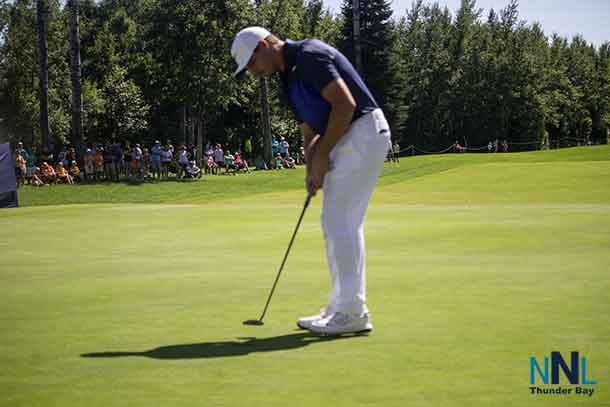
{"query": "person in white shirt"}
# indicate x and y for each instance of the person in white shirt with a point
(219, 156)
(166, 160)
(183, 161)
(284, 148)
(229, 161)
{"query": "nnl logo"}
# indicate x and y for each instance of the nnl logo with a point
(557, 361)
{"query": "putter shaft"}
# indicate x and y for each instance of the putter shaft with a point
(296, 229)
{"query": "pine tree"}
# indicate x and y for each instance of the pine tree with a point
(376, 36)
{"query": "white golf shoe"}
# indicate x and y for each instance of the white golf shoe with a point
(340, 323)
(305, 322)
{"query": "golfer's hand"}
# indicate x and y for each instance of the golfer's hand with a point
(309, 186)
(319, 167)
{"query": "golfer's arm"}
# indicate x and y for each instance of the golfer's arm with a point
(343, 106)
(309, 137)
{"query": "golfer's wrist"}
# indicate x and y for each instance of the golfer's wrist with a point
(324, 149)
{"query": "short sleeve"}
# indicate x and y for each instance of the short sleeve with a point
(317, 68)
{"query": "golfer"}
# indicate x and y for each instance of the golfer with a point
(346, 141)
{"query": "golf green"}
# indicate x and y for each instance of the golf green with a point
(475, 264)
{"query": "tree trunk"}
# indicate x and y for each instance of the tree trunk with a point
(42, 13)
(357, 48)
(77, 87)
(200, 145)
(182, 124)
(266, 122)
(191, 126)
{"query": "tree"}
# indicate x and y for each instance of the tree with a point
(376, 41)
(75, 69)
(126, 112)
(41, 23)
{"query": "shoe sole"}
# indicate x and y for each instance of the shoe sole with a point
(360, 332)
(304, 326)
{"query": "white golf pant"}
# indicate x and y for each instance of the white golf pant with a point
(356, 162)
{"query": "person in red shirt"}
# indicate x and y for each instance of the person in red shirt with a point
(239, 163)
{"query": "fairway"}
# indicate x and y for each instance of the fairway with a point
(475, 263)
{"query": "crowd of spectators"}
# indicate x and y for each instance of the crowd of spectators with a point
(105, 162)
(114, 162)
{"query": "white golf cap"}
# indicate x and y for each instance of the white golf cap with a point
(244, 44)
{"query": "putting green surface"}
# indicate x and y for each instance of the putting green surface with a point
(475, 264)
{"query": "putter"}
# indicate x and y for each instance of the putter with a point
(259, 322)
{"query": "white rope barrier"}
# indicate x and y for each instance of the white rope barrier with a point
(413, 148)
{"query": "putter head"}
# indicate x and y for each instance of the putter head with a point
(256, 322)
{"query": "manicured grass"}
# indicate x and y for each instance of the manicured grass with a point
(475, 263)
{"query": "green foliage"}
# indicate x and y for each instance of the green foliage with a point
(126, 112)
(162, 69)
(475, 81)
(19, 85)
(377, 40)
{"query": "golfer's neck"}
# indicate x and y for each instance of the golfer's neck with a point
(280, 63)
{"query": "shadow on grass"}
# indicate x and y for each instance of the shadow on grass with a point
(241, 347)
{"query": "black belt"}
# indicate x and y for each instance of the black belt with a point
(357, 114)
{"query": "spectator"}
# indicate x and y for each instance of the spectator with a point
(247, 149)
(192, 171)
(155, 159)
(146, 162)
(20, 168)
(61, 157)
(279, 162)
(136, 161)
(489, 147)
(108, 162)
(75, 172)
(62, 174)
(170, 146)
(47, 173)
(229, 162)
(35, 178)
(241, 164)
(457, 148)
(301, 156)
(127, 160)
(31, 161)
(192, 150)
(289, 162)
(219, 156)
(396, 150)
(22, 151)
(166, 160)
(210, 165)
(284, 148)
(117, 160)
(98, 162)
(275, 147)
(505, 146)
(88, 162)
(71, 155)
(183, 161)
(260, 164)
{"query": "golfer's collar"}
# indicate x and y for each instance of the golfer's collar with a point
(290, 49)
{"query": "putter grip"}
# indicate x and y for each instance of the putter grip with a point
(307, 200)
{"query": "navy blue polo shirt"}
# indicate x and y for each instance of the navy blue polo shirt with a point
(310, 66)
